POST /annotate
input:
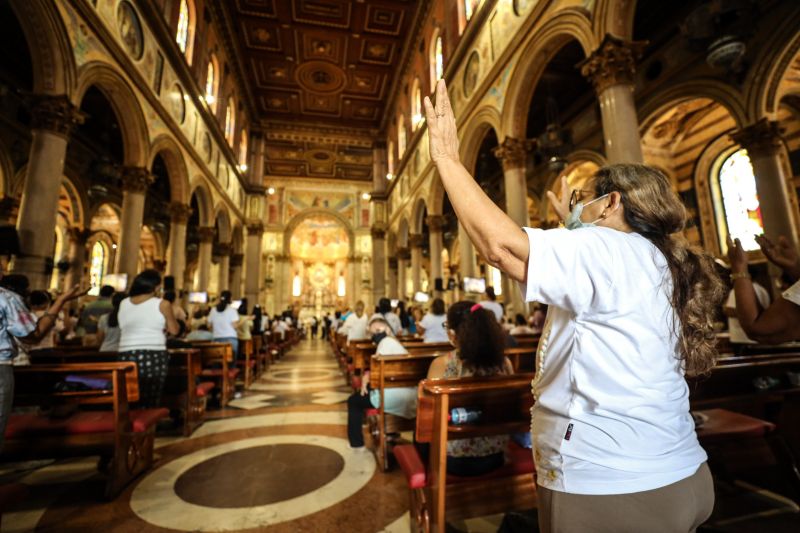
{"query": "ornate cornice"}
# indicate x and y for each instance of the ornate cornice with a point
(136, 179)
(613, 63)
(179, 213)
(55, 114)
(403, 254)
(255, 228)
(513, 152)
(415, 240)
(206, 234)
(237, 260)
(435, 223)
(223, 249)
(378, 233)
(761, 138)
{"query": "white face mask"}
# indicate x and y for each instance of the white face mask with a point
(574, 221)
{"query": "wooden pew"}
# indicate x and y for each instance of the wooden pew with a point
(435, 496)
(528, 340)
(523, 358)
(248, 363)
(185, 389)
(393, 371)
(122, 437)
(218, 364)
(359, 353)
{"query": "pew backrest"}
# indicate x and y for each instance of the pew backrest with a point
(35, 384)
(87, 355)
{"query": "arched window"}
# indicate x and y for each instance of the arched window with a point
(230, 121)
(212, 83)
(243, 152)
(401, 137)
(390, 159)
(738, 210)
(416, 105)
(185, 34)
(437, 62)
(97, 267)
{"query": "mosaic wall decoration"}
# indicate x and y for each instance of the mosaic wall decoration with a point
(130, 29)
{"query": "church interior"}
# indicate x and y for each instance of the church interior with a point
(272, 159)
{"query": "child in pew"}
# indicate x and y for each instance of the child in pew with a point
(400, 401)
(479, 343)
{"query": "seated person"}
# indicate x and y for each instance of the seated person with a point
(479, 341)
(400, 401)
(432, 324)
(355, 325)
(521, 326)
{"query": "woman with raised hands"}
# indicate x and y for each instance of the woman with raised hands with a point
(631, 311)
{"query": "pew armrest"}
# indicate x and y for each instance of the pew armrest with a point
(411, 464)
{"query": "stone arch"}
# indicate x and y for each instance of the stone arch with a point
(223, 221)
(725, 95)
(568, 25)
(166, 146)
(475, 133)
(6, 172)
(204, 202)
(402, 233)
(614, 17)
(418, 216)
(307, 213)
(770, 69)
(77, 199)
(54, 70)
(125, 104)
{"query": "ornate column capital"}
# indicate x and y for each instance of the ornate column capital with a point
(237, 260)
(393, 263)
(378, 233)
(435, 223)
(206, 234)
(136, 179)
(512, 152)
(179, 213)
(55, 114)
(223, 249)
(762, 138)
(403, 254)
(415, 240)
(79, 236)
(255, 228)
(613, 63)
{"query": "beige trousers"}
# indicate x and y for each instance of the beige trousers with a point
(677, 508)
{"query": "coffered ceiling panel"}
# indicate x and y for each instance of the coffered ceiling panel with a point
(320, 64)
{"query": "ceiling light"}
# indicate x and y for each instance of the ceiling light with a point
(389, 176)
(365, 196)
(114, 246)
(416, 119)
(271, 190)
(243, 167)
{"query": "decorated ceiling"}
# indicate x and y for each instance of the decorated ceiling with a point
(320, 63)
(319, 238)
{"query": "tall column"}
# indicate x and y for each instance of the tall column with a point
(467, 252)
(77, 255)
(403, 255)
(237, 260)
(53, 118)
(392, 290)
(204, 250)
(764, 145)
(415, 241)
(610, 68)
(252, 282)
(353, 280)
(435, 225)
(512, 154)
(256, 168)
(224, 252)
(135, 181)
(179, 216)
(378, 263)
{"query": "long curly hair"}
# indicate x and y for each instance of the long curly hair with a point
(654, 211)
(478, 336)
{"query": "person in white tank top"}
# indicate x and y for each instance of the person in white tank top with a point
(144, 322)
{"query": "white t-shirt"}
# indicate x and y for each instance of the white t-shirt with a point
(355, 327)
(793, 293)
(738, 335)
(612, 406)
(222, 323)
(494, 307)
(434, 328)
(141, 325)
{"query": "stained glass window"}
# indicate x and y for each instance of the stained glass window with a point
(438, 61)
(390, 158)
(230, 121)
(211, 84)
(243, 152)
(416, 105)
(737, 186)
(401, 137)
(182, 37)
(97, 267)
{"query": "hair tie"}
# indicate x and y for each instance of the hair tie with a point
(475, 307)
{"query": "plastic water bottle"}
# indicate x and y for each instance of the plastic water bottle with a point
(464, 415)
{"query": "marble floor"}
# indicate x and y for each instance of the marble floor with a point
(276, 460)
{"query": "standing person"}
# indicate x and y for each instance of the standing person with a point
(87, 325)
(177, 310)
(479, 343)
(491, 304)
(244, 328)
(432, 324)
(385, 311)
(355, 325)
(406, 322)
(143, 319)
(40, 302)
(223, 320)
(314, 327)
(630, 313)
(108, 332)
(18, 323)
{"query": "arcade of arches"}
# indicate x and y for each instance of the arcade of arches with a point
(279, 150)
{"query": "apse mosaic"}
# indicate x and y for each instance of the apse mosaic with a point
(319, 238)
(296, 202)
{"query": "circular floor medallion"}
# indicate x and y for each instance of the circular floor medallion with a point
(302, 374)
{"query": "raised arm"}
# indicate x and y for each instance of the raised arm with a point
(498, 238)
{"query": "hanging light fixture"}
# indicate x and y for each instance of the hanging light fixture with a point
(555, 143)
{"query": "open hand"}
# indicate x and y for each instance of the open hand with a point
(76, 291)
(736, 255)
(442, 134)
(560, 203)
(781, 254)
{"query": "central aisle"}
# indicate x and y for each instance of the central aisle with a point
(275, 460)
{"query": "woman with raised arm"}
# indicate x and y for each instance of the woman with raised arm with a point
(630, 312)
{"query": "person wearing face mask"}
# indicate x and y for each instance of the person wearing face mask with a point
(631, 312)
(400, 401)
